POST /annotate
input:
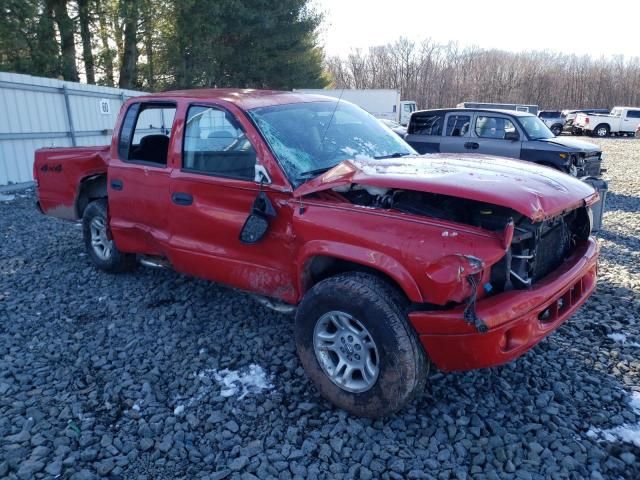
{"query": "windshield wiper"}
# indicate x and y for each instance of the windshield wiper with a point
(393, 155)
(313, 173)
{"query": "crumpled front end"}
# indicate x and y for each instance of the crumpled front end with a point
(516, 320)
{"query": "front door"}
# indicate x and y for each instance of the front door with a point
(138, 179)
(630, 122)
(495, 134)
(212, 194)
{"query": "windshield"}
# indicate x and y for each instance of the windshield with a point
(535, 128)
(308, 138)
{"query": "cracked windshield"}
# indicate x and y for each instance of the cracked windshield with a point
(310, 138)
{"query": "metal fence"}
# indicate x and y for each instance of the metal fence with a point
(42, 112)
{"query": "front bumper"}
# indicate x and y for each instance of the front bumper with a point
(517, 320)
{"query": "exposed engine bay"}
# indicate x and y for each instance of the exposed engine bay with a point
(535, 251)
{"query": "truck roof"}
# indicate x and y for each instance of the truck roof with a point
(245, 98)
(514, 113)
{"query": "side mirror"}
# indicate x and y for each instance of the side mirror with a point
(254, 228)
(513, 136)
(257, 223)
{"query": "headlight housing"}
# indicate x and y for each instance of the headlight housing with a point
(590, 216)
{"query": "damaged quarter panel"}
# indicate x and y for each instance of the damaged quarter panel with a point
(58, 173)
(430, 259)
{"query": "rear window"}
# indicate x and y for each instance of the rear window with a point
(427, 124)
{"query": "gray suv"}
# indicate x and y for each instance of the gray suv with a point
(505, 133)
(552, 119)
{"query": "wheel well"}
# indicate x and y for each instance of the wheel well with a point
(602, 125)
(321, 267)
(91, 188)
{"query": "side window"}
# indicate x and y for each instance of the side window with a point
(458, 125)
(633, 114)
(215, 144)
(144, 136)
(429, 124)
(493, 127)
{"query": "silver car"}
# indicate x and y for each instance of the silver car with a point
(552, 119)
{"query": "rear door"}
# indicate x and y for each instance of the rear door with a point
(489, 135)
(457, 133)
(425, 131)
(212, 192)
(138, 178)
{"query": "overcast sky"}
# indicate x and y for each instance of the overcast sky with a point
(561, 25)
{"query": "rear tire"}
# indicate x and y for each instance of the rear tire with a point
(98, 242)
(357, 346)
(601, 131)
(556, 129)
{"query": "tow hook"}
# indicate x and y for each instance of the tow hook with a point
(470, 314)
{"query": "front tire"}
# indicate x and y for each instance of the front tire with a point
(556, 129)
(357, 346)
(98, 242)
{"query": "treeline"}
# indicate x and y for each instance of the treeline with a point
(160, 44)
(443, 75)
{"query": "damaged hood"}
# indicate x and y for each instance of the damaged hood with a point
(532, 190)
(570, 144)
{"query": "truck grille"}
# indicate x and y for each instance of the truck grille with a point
(550, 250)
(537, 249)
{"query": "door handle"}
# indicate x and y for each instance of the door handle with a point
(116, 184)
(180, 198)
(472, 145)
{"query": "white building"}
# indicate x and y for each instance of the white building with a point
(43, 112)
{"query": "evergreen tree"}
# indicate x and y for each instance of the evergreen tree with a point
(245, 43)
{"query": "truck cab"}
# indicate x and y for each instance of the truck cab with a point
(620, 121)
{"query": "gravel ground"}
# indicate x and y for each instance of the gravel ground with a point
(155, 375)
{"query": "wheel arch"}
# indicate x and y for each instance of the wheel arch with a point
(606, 125)
(91, 188)
(327, 259)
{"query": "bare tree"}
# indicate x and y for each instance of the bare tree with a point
(442, 75)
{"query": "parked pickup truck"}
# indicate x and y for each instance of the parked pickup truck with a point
(621, 121)
(389, 259)
(570, 117)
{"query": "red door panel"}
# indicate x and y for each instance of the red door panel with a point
(205, 236)
(138, 197)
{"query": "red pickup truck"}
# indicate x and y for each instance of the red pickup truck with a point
(390, 259)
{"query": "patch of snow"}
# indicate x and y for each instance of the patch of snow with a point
(635, 402)
(6, 198)
(136, 407)
(249, 380)
(622, 339)
(179, 410)
(618, 337)
(243, 382)
(626, 433)
(349, 151)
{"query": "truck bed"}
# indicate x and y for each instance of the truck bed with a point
(59, 172)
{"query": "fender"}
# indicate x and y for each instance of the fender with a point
(363, 256)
